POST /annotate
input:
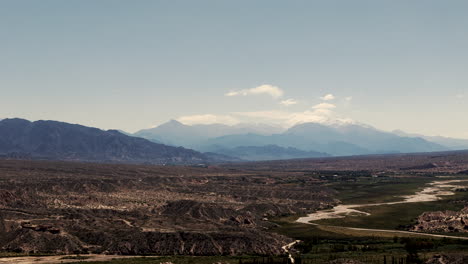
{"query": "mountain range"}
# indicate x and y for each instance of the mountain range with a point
(176, 133)
(452, 143)
(300, 141)
(267, 152)
(21, 138)
(177, 143)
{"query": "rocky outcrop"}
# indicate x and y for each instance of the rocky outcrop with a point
(69, 207)
(345, 261)
(34, 241)
(445, 259)
(186, 243)
(136, 242)
(198, 210)
(446, 221)
(2, 226)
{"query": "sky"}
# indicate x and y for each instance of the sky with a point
(131, 65)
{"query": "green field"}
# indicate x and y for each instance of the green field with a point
(323, 244)
(378, 190)
(177, 260)
(396, 216)
(330, 241)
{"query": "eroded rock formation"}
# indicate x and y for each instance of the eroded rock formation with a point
(446, 221)
(56, 207)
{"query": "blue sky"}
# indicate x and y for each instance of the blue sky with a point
(134, 64)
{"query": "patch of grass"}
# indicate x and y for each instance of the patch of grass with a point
(396, 216)
(14, 254)
(325, 243)
(11, 254)
(176, 260)
(378, 190)
(289, 227)
(329, 240)
(76, 257)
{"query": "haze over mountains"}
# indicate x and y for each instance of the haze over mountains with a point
(262, 142)
(452, 143)
(172, 142)
(176, 133)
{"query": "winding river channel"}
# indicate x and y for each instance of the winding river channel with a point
(433, 192)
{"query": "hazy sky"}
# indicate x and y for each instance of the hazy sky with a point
(134, 64)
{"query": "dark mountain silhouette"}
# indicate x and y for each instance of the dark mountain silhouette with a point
(21, 138)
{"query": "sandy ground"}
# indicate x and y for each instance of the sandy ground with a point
(287, 247)
(59, 259)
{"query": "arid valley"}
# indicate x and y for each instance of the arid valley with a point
(233, 132)
(71, 208)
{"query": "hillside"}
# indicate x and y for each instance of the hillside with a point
(21, 138)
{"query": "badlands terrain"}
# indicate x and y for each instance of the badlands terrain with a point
(239, 209)
(58, 207)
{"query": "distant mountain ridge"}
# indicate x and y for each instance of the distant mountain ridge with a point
(336, 140)
(452, 143)
(268, 152)
(178, 134)
(64, 141)
(216, 143)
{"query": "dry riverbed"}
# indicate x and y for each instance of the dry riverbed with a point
(435, 191)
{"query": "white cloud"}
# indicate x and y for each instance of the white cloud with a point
(270, 115)
(328, 97)
(288, 119)
(324, 106)
(316, 116)
(268, 89)
(233, 93)
(348, 99)
(323, 114)
(208, 119)
(288, 102)
(320, 113)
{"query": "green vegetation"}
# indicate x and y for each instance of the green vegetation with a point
(79, 257)
(396, 216)
(364, 190)
(176, 260)
(15, 254)
(321, 244)
(329, 240)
